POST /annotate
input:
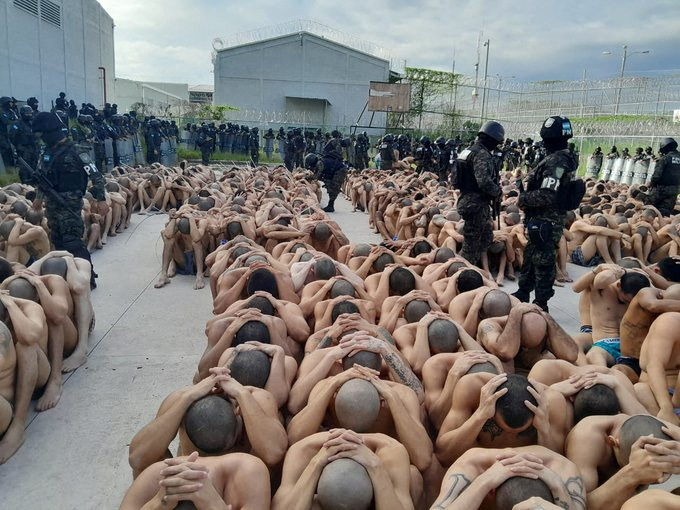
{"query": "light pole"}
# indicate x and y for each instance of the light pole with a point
(624, 57)
(487, 43)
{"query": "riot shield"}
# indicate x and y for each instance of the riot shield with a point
(139, 152)
(165, 153)
(3, 170)
(108, 151)
(594, 165)
(607, 170)
(173, 150)
(650, 171)
(617, 170)
(641, 171)
(627, 176)
(184, 139)
(120, 147)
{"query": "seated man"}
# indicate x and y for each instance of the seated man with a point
(320, 268)
(239, 419)
(327, 312)
(324, 236)
(343, 469)
(617, 457)
(27, 326)
(594, 240)
(589, 390)
(394, 281)
(322, 290)
(242, 283)
(358, 400)
(25, 242)
(641, 313)
(503, 410)
(398, 311)
(245, 326)
(610, 288)
(435, 333)
(262, 366)
(659, 386)
(377, 259)
(442, 372)
(356, 347)
(471, 307)
(183, 247)
(525, 336)
(460, 279)
(76, 272)
(503, 478)
(235, 480)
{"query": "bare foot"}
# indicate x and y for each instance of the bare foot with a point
(120, 230)
(162, 282)
(112, 234)
(100, 245)
(200, 283)
(499, 282)
(172, 270)
(11, 442)
(103, 241)
(558, 283)
(74, 361)
(50, 398)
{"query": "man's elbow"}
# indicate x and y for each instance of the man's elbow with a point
(275, 452)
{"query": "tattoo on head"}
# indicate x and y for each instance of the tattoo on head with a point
(459, 483)
(577, 492)
(492, 428)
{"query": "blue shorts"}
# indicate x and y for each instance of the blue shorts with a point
(671, 392)
(632, 363)
(586, 329)
(611, 345)
(578, 258)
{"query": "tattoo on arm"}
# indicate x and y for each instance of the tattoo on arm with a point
(561, 504)
(577, 492)
(405, 374)
(459, 483)
(325, 342)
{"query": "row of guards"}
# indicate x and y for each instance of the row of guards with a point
(129, 151)
(621, 170)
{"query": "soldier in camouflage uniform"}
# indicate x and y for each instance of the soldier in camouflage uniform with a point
(67, 170)
(666, 178)
(477, 171)
(22, 137)
(7, 117)
(334, 170)
(544, 213)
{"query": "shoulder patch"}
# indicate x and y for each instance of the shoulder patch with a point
(465, 154)
(85, 158)
(559, 172)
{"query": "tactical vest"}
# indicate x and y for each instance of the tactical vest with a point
(671, 172)
(464, 178)
(386, 152)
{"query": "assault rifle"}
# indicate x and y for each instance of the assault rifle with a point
(43, 183)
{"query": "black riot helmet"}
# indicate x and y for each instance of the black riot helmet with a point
(450, 143)
(26, 112)
(5, 101)
(556, 127)
(402, 138)
(514, 145)
(440, 142)
(667, 145)
(388, 138)
(50, 127)
(62, 116)
(311, 160)
(425, 140)
(336, 134)
(613, 149)
(493, 130)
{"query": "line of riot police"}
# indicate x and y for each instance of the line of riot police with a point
(111, 138)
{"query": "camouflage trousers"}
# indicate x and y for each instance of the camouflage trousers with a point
(333, 177)
(539, 270)
(664, 199)
(477, 230)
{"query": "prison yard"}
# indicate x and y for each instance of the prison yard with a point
(324, 264)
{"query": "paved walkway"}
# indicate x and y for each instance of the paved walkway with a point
(146, 344)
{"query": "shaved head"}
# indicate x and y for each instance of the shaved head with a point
(211, 424)
(357, 405)
(56, 265)
(342, 288)
(402, 281)
(416, 310)
(444, 254)
(324, 269)
(533, 328)
(366, 359)
(362, 250)
(496, 303)
(251, 368)
(344, 484)
(382, 261)
(322, 232)
(442, 335)
(184, 226)
(22, 289)
(5, 228)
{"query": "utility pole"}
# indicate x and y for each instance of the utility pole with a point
(487, 43)
(474, 91)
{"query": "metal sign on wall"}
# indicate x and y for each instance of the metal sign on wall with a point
(389, 97)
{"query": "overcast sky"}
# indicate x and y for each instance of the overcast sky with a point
(171, 40)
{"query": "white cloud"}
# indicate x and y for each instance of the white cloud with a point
(170, 40)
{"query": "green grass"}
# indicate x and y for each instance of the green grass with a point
(611, 118)
(10, 177)
(226, 156)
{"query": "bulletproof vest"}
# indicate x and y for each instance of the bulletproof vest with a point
(465, 179)
(332, 149)
(671, 171)
(22, 134)
(386, 152)
(555, 173)
(64, 168)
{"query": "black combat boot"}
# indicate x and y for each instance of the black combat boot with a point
(329, 207)
(521, 295)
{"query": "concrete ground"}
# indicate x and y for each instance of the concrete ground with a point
(146, 344)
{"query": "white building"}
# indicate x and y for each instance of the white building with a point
(159, 98)
(52, 46)
(299, 79)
